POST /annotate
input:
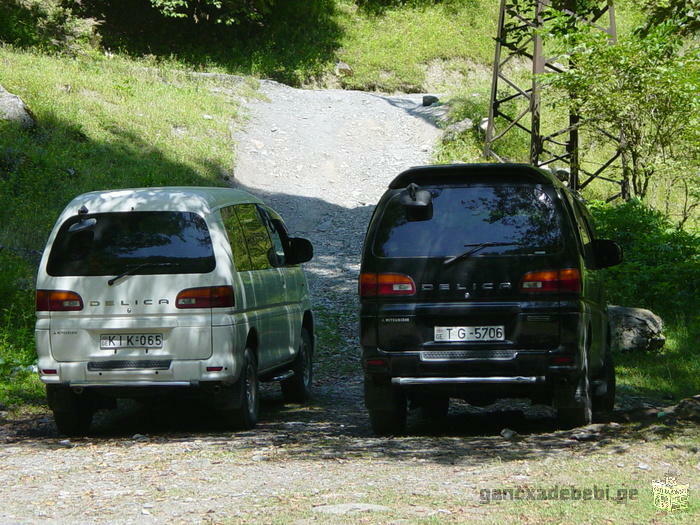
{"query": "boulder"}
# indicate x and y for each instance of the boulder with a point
(12, 108)
(635, 330)
(453, 131)
(429, 100)
(688, 408)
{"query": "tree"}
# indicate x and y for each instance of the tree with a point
(215, 11)
(644, 91)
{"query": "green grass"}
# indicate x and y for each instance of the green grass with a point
(410, 47)
(673, 374)
(105, 123)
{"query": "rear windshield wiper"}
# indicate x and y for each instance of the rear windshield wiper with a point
(134, 269)
(475, 248)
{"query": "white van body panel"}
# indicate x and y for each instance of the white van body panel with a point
(192, 339)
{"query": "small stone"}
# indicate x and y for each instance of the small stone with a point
(508, 433)
(207, 117)
(139, 437)
(585, 436)
(343, 69)
(12, 108)
(350, 508)
(484, 124)
(643, 466)
(429, 100)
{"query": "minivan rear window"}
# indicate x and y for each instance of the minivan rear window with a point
(522, 219)
(147, 242)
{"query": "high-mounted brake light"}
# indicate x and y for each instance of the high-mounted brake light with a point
(567, 280)
(58, 301)
(207, 297)
(383, 284)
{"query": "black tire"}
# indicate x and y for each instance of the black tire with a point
(574, 407)
(245, 416)
(390, 418)
(606, 402)
(435, 407)
(297, 388)
(74, 421)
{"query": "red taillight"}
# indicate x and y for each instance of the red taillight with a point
(382, 284)
(215, 368)
(561, 360)
(567, 280)
(207, 297)
(49, 372)
(58, 301)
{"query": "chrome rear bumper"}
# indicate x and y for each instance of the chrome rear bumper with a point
(405, 381)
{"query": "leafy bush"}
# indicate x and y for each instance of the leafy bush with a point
(46, 24)
(16, 313)
(661, 268)
(225, 12)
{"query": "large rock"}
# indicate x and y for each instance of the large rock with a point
(12, 108)
(635, 329)
(453, 131)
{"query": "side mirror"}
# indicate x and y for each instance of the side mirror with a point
(299, 250)
(418, 203)
(607, 253)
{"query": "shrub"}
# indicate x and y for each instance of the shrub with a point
(661, 267)
(46, 24)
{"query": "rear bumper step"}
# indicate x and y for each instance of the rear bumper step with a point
(405, 381)
(133, 383)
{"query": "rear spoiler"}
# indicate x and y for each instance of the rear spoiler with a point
(446, 174)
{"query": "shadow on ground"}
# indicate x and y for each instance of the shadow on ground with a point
(334, 426)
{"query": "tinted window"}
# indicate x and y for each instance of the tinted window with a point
(111, 243)
(257, 238)
(274, 231)
(236, 239)
(524, 215)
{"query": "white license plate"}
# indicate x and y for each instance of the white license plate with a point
(116, 341)
(469, 333)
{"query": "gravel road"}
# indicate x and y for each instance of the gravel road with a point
(321, 158)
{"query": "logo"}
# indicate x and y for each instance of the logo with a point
(670, 496)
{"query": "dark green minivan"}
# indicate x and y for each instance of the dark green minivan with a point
(481, 282)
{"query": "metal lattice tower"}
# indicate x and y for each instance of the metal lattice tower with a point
(519, 38)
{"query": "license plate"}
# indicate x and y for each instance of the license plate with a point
(116, 341)
(469, 333)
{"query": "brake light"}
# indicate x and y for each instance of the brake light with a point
(207, 297)
(58, 301)
(567, 280)
(385, 284)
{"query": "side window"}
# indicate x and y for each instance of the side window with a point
(584, 231)
(257, 238)
(277, 232)
(236, 239)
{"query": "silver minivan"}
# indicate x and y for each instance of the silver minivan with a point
(169, 291)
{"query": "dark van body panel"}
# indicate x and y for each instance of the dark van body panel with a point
(471, 293)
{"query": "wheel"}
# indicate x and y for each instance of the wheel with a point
(245, 416)
(72, 413)
(574, 406)
(388, 417)
(606, 402)
(297, 388)
(435, 407)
